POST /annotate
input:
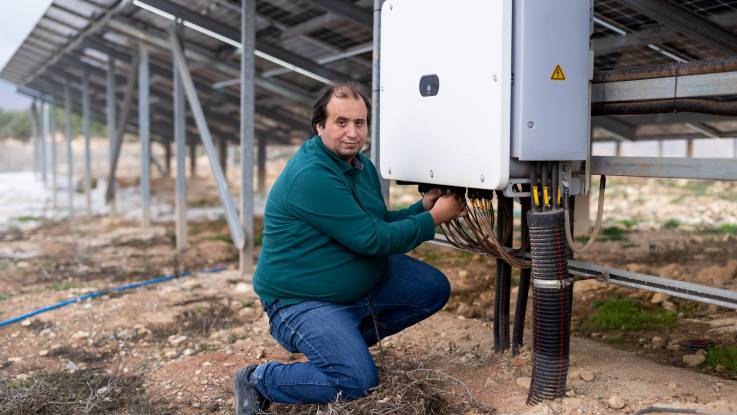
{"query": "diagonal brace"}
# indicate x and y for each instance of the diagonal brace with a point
(226, 199)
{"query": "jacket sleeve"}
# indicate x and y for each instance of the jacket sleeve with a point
(325, 201)
(395, 215)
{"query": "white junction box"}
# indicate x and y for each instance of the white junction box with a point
(467, 88)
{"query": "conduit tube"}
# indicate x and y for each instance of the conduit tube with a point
(552, 294)
(524, 279)
(504, 222)
(125, 287)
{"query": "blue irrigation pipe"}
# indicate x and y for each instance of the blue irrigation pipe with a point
(104, 291)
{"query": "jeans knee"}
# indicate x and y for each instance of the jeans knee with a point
(358, 384)
(441, 290)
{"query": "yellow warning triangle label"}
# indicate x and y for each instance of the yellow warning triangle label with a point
(558, 74)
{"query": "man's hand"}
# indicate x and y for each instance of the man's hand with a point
(428, 201)
(447, 208)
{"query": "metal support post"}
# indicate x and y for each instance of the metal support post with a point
(660, 148)
(689, 148)
(248, 109)
(35, 134)
(375, 100)
(262, 167)
(144, 133)
(52, 138)
(117, 139)
(86, 130)
(231, 213)
(180, 139)
(618, 149)
(111, 124)
(70, 155)
(45, 128)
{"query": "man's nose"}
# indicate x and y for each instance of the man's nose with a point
(351, 131)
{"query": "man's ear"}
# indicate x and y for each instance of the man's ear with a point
(319, 129)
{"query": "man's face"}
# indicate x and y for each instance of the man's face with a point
(345, 127)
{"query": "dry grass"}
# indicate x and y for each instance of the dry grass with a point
(405, 388)
(84, 392)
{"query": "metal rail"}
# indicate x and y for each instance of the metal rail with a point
(665, 167)
(680, 289)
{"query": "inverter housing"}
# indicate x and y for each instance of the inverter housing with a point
(469, 89)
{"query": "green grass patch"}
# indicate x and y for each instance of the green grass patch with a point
(4, 296)
(64, 285)
(695, 188)
(724, 229)
(25, 219)
(723, 356)
(626, 314)
(629, 223)
(672, 224)
(613, 233)
(224, 237)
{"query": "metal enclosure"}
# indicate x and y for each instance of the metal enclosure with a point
(464, 89)
(553, 65)
(446, 92)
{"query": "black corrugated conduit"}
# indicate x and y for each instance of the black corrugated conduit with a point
(524, 279)
(552, 297)
(504, 226)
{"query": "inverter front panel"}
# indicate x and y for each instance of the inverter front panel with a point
(445, 92)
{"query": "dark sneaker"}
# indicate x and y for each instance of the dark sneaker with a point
(248, 400)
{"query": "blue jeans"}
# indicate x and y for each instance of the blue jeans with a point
(336, 337)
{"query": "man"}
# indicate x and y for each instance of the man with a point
(331, 276)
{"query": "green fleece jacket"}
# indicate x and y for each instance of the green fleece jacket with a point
(327, 232)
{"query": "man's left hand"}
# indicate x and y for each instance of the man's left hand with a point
(428, 201)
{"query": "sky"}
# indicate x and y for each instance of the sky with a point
(17, 18)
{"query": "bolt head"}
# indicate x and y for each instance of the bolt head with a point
(530, 124)
(432, 174)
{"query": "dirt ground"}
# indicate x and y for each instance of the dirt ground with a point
(173, 347)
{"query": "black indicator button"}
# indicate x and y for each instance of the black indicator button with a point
(429, 85)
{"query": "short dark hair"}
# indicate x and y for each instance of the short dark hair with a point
(340, 90)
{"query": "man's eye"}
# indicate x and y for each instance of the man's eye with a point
(341, 122)
(360, 123)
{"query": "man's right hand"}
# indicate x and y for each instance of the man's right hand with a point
(447, 208)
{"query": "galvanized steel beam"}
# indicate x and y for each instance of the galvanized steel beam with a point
(180, 140)
(667, 167)
(144, 134)
(233, 36)
(231, 213)
(87, 131)
(70, 155)
(248, 109)
(689, 86)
